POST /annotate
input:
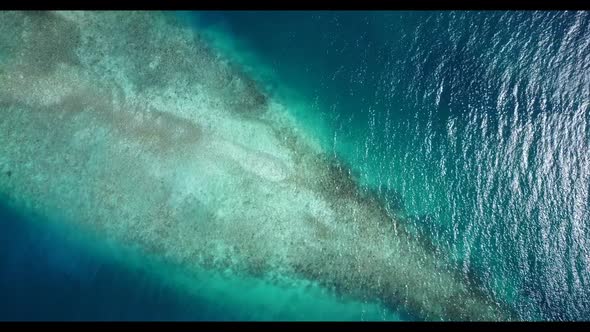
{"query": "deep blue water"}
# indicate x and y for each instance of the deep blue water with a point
(52, 273)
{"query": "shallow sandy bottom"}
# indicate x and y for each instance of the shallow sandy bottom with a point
(128, 124)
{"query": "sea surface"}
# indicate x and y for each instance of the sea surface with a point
(472, 127)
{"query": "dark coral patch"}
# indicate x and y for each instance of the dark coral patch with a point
(247, 96)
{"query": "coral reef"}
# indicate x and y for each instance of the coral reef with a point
(130, 125)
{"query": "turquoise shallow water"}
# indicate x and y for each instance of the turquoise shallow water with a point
(473, 127)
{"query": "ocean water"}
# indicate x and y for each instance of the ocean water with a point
(51, 273)
(472, 127)
(54, 272)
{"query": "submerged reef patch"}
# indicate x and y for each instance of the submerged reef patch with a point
(142, 133)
